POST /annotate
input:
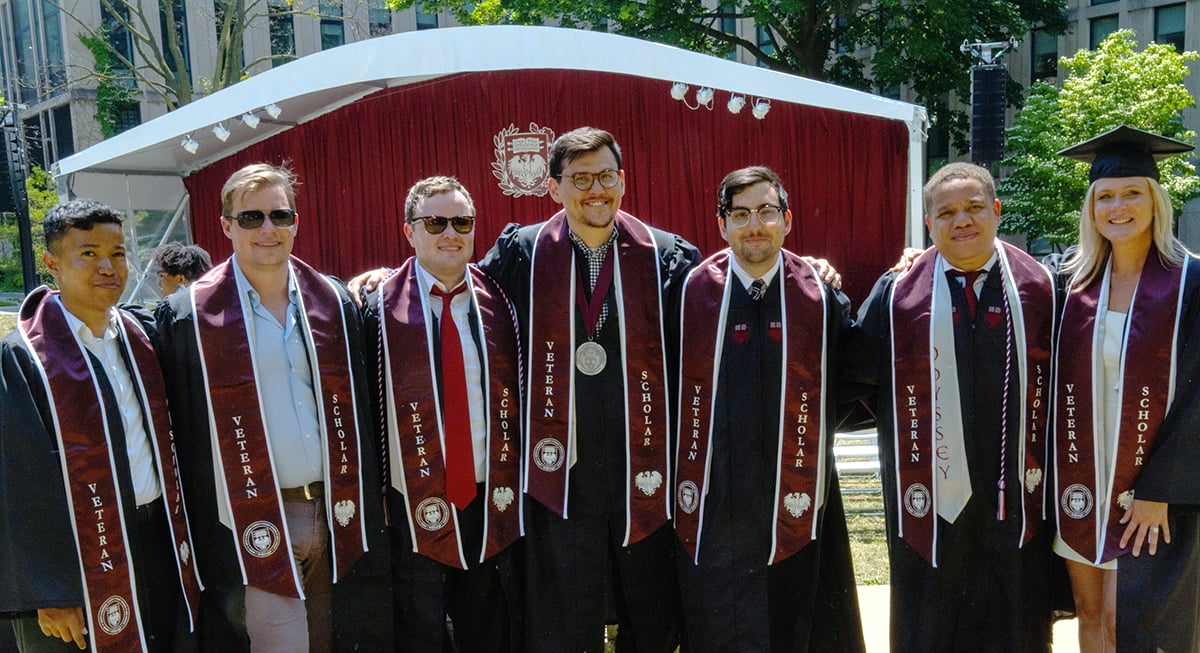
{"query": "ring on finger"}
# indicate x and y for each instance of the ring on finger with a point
(1154, 530)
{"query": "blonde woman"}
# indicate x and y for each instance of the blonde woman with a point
(1125, 403)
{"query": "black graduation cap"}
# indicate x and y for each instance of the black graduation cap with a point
(1125, 152)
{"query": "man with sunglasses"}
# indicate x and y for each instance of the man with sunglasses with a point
(267, 391)
(594, 288)
(764, 556)
(449, 374)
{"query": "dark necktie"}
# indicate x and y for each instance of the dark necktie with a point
(969, 289)
(456, 415)
(757, 288)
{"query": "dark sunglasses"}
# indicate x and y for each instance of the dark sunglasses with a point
(436, 224)
(254, 219)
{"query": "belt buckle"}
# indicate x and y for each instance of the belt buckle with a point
(308, 495)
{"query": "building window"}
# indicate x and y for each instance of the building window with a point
(1044, 62)
(380, 17)
(117, 34)
(64, 143)
(1169, 25)
(1101, 28)
(888, 90)
(220, 7)
(426, 20)
(729, 26)
(52, 40)
(283, 33)
(765, 41)
(1102, 2)
(840, 22)
(26, 58)
(333, 33)
(35, 147)
(128, 117)
(176, 31)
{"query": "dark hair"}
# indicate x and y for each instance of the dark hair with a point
(578, 142)
(743, 178)
(80, 213)
(959, 170)
(430, 186)
(189, 260)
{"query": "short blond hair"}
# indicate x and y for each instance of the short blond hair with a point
(255, 177)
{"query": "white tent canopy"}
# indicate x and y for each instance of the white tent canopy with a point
(141, 169)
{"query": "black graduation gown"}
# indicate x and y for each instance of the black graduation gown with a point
(483, 602)
(987, 593)
(578, 576)
(732, 599)
(38, 559)
(1158, 596)
(362, 609)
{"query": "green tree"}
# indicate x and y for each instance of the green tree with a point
(39, 186)
(912, 42)
(1113, 85)
(140, 44)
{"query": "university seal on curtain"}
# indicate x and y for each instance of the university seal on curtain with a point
(523, 160)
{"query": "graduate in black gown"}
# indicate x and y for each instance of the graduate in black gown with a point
(1126, 406)
(463, 572)
(94, 550)
(217, 379)
(599, 546)
(763, 553)
(963, 463)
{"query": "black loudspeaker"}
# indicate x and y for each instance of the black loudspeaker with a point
(987, 112)
(12, 175)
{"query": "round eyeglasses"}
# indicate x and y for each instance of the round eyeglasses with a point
(768, 214)
(584, 180)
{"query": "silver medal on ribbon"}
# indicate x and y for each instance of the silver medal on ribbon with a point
(590, 358)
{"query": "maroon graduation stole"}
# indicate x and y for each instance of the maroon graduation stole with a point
(802, 424)
(552, 365)
(1147, 386)
(89, 468)
(416, 434)
(239, 437)
(915, 437)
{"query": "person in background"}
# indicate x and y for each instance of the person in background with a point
(179, 265)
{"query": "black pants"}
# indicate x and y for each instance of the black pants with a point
(163, 612)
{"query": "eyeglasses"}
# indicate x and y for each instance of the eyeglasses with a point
(436, 224)
(584, 180)
(768, 214)
(254, 219)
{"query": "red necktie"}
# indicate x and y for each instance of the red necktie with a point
(969, 289)
(456, 415)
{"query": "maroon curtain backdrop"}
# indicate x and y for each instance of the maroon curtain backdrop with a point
(845, 173)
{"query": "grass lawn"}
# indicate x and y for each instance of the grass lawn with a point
(8, 322)
(864, 519)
